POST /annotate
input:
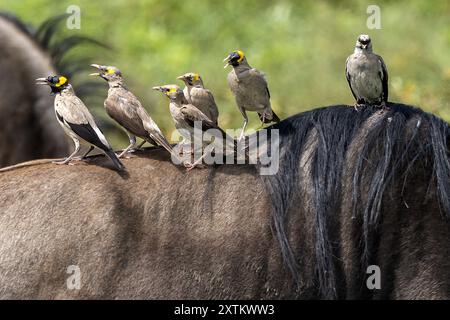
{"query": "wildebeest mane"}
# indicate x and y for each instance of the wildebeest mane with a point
(390, 143)
(48, 37)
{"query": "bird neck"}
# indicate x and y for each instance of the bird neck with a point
(242, 66)
(363, 51)
(179, 100)
(198, 83)
(67, 91)
(117, 83)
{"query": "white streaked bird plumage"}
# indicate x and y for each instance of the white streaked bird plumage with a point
(76, 120)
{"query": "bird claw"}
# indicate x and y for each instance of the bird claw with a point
(384, 106)
(358, 105)
(124, 155)
(60, 162)
(188, 166)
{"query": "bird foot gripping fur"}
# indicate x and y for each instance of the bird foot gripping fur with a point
(357, 106)
(65, 161)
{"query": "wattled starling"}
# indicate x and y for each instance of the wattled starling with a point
(76, 120)
(367, 75)
(123, 106)
(197, 95)
(186, 115)
(249, 86)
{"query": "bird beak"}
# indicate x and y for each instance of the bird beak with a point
(182, 78)
(41, 81)
(227, 60)
(158, 89)
(98, 67)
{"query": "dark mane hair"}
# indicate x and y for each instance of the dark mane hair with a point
(49, 38)
(390, 143)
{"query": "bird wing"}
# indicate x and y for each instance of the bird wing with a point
(384, 78)
(259, 79)
(348, 77)
(214, 110)
(191, 114)
(126, 109)
(75, 116)
(154, 134)
(204, 100)
(232, 81)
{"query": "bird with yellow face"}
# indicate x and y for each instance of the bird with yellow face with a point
(125, 108)
(76, 120)
(187, 117)
(197, 95)
(250, 88)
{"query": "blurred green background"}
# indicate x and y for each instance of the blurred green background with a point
(301, 46)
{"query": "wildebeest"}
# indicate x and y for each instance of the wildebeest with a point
(28, 129)
(353, 189)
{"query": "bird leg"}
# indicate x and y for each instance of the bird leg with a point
(67, 160)
(132, 143)
(263, 117)
(180, 146)
(85, 155)
(198, 161)
(244, 114)
(139, 147)
(357, 105)
(89, 151)
(384, 106)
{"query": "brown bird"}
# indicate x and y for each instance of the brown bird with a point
(123, 106)
(249, 86)
(186, 115)
(196, 94)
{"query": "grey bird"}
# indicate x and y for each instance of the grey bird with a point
(367, 75)
(123, 106)
(185, 115)
(196, 94)
(76, 120)
(250, 88)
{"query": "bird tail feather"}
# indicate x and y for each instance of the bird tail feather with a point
(111, 154)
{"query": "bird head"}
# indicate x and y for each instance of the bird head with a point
(172, 91)
(364, 42)
(56, 83)
(235, 58)
(109, 73)
(191, 79)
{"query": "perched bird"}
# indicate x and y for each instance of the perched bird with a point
(249, 86)
(367, 75)
(125, 108)
(196, 94)
(76, 120)
(185, 115)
